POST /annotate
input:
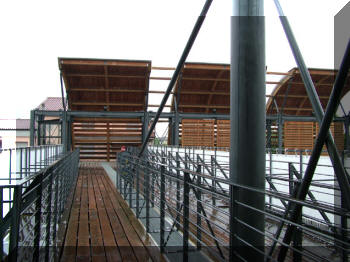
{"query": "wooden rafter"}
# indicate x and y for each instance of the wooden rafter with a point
(302, 103)
(107, 86)
(212, 89)
(105, 104)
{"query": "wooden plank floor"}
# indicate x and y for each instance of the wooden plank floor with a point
(101, 226)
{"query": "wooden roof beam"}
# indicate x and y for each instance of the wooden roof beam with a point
(105, 104)
(103, 75)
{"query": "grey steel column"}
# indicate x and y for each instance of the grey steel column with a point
(32, 127)
(176, 129)
(247, 115)
(64, 131)
(145, 126)
(280, 134)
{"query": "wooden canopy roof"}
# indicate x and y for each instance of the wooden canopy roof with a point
(106, 85)
(290, 95)
(203, 88)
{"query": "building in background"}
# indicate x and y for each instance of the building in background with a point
(14, 133)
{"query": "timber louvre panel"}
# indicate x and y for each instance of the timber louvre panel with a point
(302, 135)
(223, 133)
(101, 139)
(196, 132)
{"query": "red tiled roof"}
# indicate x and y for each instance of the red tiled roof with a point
(51, 104)
(23, 124)
(8, 124)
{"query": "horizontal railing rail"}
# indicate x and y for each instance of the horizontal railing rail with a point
(190, 188)
(17, 164)
(28, 232)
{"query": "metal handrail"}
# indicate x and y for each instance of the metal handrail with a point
(185, 190)
(28, 231)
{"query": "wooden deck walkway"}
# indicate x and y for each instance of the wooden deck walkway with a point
(101, 226)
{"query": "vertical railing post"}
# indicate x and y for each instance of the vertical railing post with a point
(10, 173)
(57, 179)
(152, 178)
(297, 239)
(186, 213)
(199, 199)
(213, 182)
(131, 182)
(234, 243)
(48, 211)
(301, 170)
(20, 163)
(38, 206)
(137, 173)
(15, 223)
(270, 174)
(280, 134)
(1, 217)
(162, 203)
(147, 193)
(178, 193)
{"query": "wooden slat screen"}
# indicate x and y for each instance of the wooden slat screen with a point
(298, 135)
(102, 139)
(302, 135)
(197, 132)
(223, 133)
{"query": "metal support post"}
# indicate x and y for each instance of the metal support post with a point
(280, 134)
(38, 213)
(147, 174)
(268, 134)
(213, 184)
(178, 193)
(64, 131)
(32, 127)
(176, 129)
(137, 172)
(162, 204)
(131, 181)
(247, 115)
(145, 124)
(15, 223)
(199, 199)
(152, 183)
(69, 133)
(186, 215)
(347, 139)
(48, 244)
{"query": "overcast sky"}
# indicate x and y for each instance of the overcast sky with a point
(35, 33)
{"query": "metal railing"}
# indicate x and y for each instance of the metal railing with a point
(28, 231)
(191, 188)
(18, 163)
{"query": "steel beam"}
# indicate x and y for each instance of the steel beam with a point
(179, 67)
(323, 136)
(247, 115)
(280, 134)
(317, 107)
(176, 129)
(145, 125)
(62, 93)
(171, 115)
(32, 127)
(64, 131)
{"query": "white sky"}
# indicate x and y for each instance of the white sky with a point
(35, 33)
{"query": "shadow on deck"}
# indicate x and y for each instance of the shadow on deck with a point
(101, 226)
